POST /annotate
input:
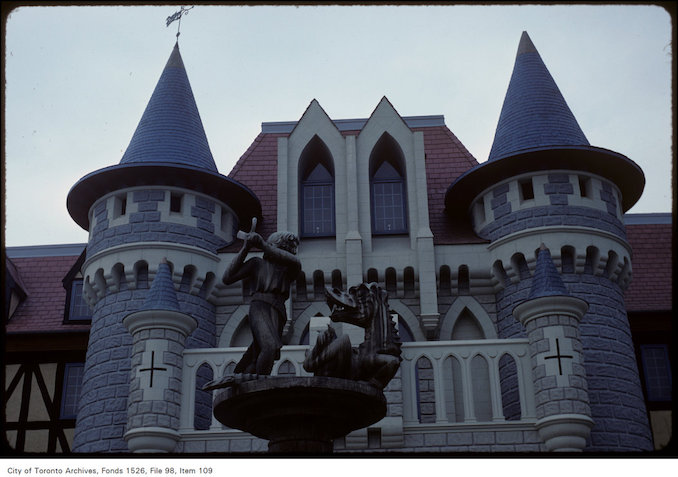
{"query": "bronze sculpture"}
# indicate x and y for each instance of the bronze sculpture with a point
(270, 278)
(377, 358)
(304, 414)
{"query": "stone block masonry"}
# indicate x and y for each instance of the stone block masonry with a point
(102, 418)
(509, 215)
(144, 222)
(103, 413)
(616, 400)
(609, 368)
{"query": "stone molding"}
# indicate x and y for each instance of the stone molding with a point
(152, 439)
(160, 319)
(484, 199)
(550, 306)
(565, 432)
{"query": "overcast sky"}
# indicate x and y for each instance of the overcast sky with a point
(78, 80)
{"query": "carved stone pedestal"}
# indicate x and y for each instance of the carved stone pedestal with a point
(299, 415)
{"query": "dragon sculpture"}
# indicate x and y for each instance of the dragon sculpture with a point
(377, 359)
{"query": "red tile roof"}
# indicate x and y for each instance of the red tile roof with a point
(651, 286)
(257, 168)
(43, 309)
(446, 159)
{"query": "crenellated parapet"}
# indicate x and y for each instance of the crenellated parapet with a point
(543, 183)
(576, 250)
(131, 230)
(133, 266)
(577, 215)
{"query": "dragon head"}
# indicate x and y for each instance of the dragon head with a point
(357, 306)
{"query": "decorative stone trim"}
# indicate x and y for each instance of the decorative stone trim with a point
(155, 319)
(151, 439)
(540, 233)
(565, 432)
(552, 188)
(458, 306)
(550, 306)
(99, 276)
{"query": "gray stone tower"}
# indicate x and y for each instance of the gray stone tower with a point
(551, 319)
(544, 183)
(159, 330)
(165, 198)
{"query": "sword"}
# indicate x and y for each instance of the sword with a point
(242, 235)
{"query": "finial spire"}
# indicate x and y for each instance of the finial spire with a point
(525, 45)
(177, 16)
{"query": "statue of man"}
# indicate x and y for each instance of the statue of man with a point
(270, 278)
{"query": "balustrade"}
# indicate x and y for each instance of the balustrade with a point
(448, 383)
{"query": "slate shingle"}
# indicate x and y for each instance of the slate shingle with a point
(534, 114)
(170, 130)
(162, 295)
(546, 280)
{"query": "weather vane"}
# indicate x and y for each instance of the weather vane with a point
(177, 16)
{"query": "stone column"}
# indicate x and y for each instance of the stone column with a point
(354, 242)
(159, 332)
(551, 318)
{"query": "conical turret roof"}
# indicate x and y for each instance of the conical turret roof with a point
(534, 114)
(168, 148)
(170, 130)
(538, 132)
(162, 295)
(546, 281)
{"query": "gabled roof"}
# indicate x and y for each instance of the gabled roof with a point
(257, 168)
(446, 159)
(14, 280)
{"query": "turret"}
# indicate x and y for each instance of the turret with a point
(159, 330)
(165, 198)
(544, 183)
(551, 319)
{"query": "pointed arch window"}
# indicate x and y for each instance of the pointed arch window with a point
(387, 188)
(316, 190)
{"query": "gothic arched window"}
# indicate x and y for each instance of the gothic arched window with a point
(387, 184)
(316, 190)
